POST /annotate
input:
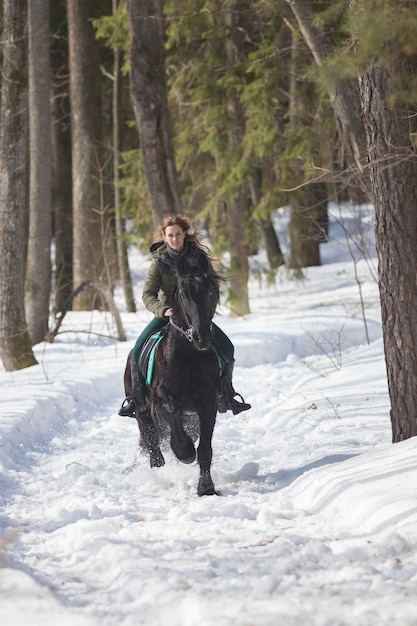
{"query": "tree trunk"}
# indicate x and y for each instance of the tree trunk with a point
(308, 226)
(90, 221)
(304, 230)
(272, 247)
(150, 104)
(239, 253)
(390, 131)
(62, 196)
(61, 162)
(238, 209)
(122, 257)
(15, 344)
(38, 268)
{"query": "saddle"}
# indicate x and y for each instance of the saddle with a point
(147, 355)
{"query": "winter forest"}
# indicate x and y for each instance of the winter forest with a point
(286, 130)
(114, 113)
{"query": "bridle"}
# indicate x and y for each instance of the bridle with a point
(187, 333)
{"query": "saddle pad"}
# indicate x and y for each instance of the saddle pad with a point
(147, 356)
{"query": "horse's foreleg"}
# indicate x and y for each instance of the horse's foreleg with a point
(149, 439)
(181, 444)
(205, 453)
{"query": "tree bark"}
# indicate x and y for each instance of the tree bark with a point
(390, 130)
(273, 249)
(15, 344)
(150, 104)
(305, 207)
(90, 221)
(61, 161)
(38, 268)
(122, 256)
(308, 226)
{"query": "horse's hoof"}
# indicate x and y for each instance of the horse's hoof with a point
(186, 457)
(209, 492)
(185, 453)
(206, 486)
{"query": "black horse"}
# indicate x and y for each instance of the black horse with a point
(186, 375)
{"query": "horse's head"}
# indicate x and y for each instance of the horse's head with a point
(196, 299)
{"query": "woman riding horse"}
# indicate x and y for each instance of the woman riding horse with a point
(171, 241)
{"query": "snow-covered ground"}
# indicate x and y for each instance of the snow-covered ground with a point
(316, 524)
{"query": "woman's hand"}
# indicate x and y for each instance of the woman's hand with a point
(168, 313)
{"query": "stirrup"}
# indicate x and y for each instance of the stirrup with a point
(128, 408)
(238, 407)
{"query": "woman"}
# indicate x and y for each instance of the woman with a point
(172, 240)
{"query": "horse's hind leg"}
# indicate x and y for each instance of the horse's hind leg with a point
(149, 439)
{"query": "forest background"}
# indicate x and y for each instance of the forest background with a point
(114, 113)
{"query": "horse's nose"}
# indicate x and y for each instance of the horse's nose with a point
(202, 340)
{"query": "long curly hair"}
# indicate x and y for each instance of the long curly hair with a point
(191, 233)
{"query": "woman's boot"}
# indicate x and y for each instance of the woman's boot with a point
(227, 400)
(136, 401)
